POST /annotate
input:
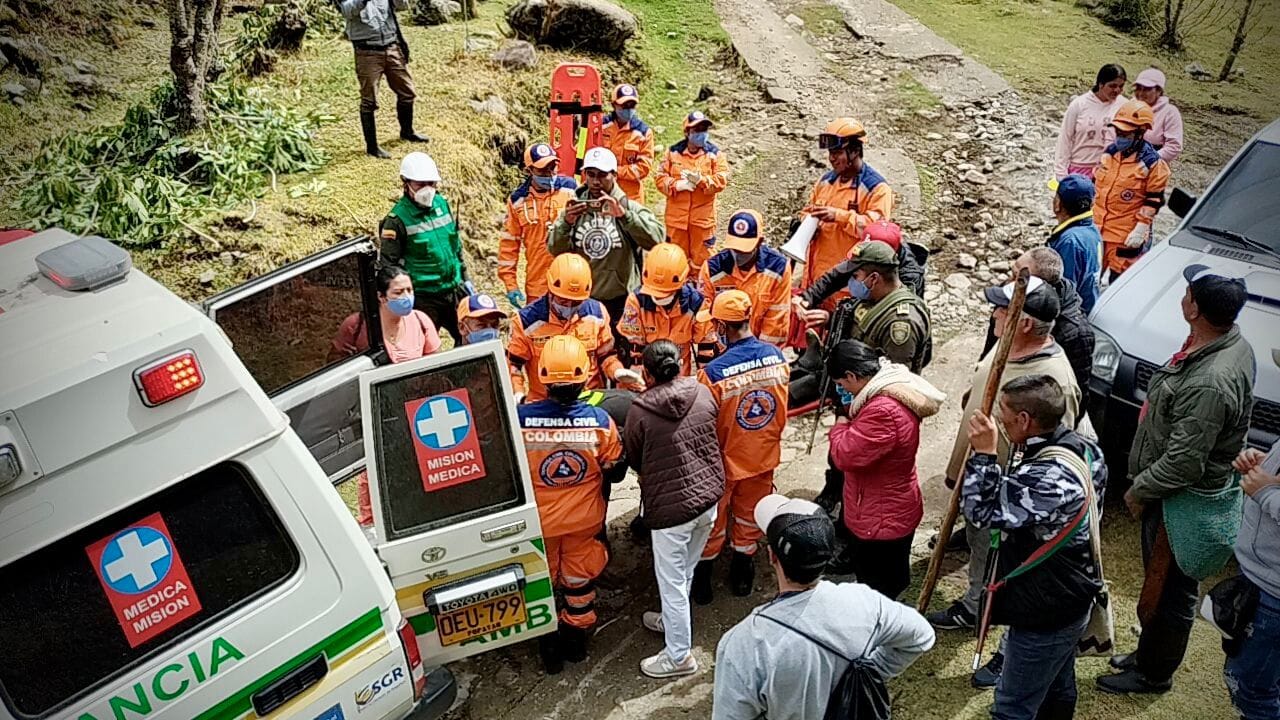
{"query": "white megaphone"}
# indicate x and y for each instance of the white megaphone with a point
(797, 248)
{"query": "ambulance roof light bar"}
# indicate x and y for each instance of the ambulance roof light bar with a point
(169, 378)
(86, 263)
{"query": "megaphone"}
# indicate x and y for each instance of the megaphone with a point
(797, 248)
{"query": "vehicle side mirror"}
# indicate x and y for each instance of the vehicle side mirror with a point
(1181, 202)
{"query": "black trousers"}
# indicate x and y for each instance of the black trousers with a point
(442, 308)
(882, 565)
(1163, 642)
(615, 306)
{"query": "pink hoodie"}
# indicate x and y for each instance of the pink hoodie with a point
(1167, 130)
(1086, 132)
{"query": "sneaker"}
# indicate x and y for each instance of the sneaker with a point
(661, 666)
(988, 675)
(956, 617)
(742, 574)
(702, 593)
(653, 621)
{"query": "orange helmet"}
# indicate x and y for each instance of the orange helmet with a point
(1133, 115)
(563, 360)
(665, 270)
(840, 133)
(569, 277)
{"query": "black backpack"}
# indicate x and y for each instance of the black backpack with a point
(860, 693)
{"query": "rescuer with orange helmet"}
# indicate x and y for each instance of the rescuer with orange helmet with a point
(666, 306)
(1130, 185)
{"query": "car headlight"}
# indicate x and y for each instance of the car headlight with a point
(1106, 356)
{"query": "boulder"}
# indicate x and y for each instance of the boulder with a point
(14, 90)
(477, 44)
(1198, 72)
(26, 56)
(581, 24)
(80, 83)
(967, 261)
(516, 54)
(492, 105)
(976, 178)
(85, 67)
(435, 12)
(779, 94)
(957, 281)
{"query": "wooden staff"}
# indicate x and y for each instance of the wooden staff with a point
(988, 402)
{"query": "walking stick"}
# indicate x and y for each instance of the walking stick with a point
(988, 402)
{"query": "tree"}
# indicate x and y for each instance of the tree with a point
(1248, 25)
(193, 55)
(1191, 17)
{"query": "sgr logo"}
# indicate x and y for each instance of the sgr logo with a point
(370, 693)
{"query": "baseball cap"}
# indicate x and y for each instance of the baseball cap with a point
(873, 252)
(1073, 189)
(889, 233)
(625, 93)
(1219, 298)
(600, 158)
(1042, 300)
(478, 305)
(539, 155)
(729, 306)
(799, 532)
(696, 118)
(1150, 77)
(746, 228)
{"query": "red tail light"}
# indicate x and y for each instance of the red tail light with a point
(169, 378)
(409, 641)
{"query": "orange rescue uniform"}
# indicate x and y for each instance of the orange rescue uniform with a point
(536, 323)
(749, 382)
(858, 201)
(691, 215)
(632, 145)
(530, 215)
(1130, 190)
(644, 321)
(569, 449)
(767, 282)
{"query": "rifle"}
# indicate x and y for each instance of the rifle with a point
(840, 320)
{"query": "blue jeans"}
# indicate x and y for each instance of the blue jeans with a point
(1039, 677)
(1253, 676)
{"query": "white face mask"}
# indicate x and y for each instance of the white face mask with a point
(664, 302)
(425, 196)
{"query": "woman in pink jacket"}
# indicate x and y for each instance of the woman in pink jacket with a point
(1086, 127)
(1165, 134)
(875, 447)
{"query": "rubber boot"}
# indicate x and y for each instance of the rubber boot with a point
(832, 490)
(573, 643)
(404, 112)
(742, 574)
(549, 651)
(702, 593)
(369, 125)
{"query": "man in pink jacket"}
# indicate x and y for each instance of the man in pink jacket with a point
(1166, 132)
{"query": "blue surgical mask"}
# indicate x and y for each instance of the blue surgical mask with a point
(402, 305)
(859, 289)
(564, 312)
(625, 115)
(543, 182)
(699, 139)
(1124, 143)
(479, 336)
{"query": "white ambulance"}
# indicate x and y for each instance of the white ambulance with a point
(170, 548)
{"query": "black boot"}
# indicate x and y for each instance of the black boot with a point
(832, 490)
(369, 126)
(573, 643)
(702, 593)
(404, 111)
(640, 533)
(742, 574)
(549, 651)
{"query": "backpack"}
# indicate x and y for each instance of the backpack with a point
(860, 693)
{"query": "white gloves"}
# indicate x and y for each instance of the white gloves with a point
(630, 378)
(693, 176)
(1139, 236)
(684, 185)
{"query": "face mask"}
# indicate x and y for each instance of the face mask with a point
(481, 335)
(425, 196)
(626, 115)
(402, 305)
(543, 182)
(742, 259)
(859, 289)
(698, 139)
(664, 302)
(564, 312)
(1123, 144)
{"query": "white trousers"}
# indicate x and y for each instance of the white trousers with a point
(676, 551)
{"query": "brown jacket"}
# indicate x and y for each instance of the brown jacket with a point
(670, 437)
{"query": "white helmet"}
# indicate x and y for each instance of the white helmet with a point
(419, 167)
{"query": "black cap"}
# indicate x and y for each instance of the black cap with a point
(799, 533)
(1042, 301)
(1218, 297)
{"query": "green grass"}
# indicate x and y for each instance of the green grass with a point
(913, 95)
(822, 19)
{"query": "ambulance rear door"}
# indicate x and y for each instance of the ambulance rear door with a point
(288, 328)
(456, 521)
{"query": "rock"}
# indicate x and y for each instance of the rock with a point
(206, 277)
(478, 44)
(817, 157)
(966, 167)
(794, 21)
(974, 177)
(26, 56)
(1001, 266)
(931, 294)
(672, 34)
(435, 12)
(81, 83)
(933, 136)
(957, 281)
(779, 94)
(979, 227)
(579, 24)
(516, 54)
(227, 259)
(810, 134)
(14, 90)
(1198, 72)
(966, 261)
(673, 85)
(950, 233)
(961, 136)
(84, 106)
(492, 105)
(147, 22)
(1035, 222)
(704, 93)
(969, 202)
(85, 67)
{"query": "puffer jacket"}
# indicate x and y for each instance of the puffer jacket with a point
(670, 438)
(876, 451)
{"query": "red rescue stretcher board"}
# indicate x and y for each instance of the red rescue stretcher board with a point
(575, 93)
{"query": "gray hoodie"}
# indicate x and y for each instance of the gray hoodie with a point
(1258, 544)
(372, 22)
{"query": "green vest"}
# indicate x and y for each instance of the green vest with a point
(432, 251)
(873, 324)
